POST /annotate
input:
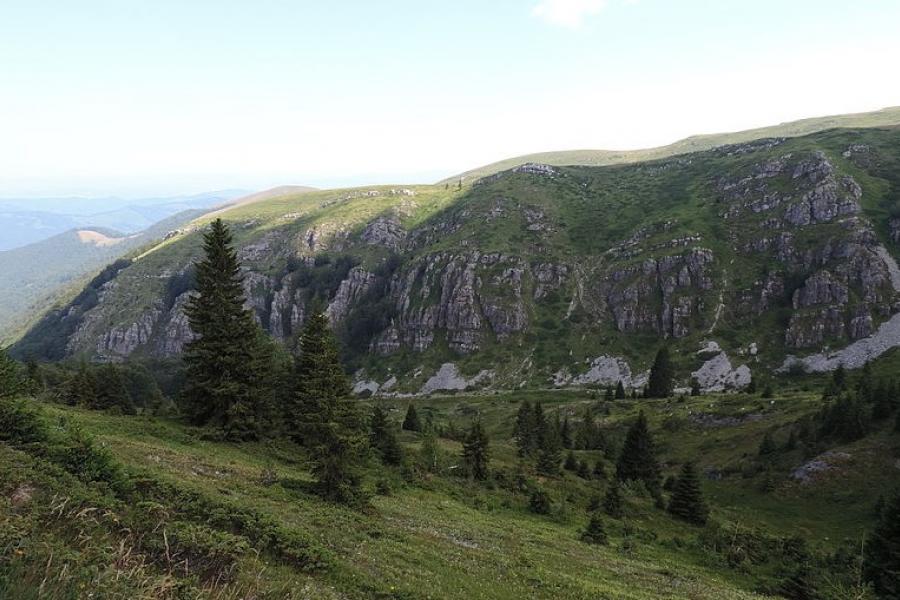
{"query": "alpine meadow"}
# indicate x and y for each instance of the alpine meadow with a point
(656, 372)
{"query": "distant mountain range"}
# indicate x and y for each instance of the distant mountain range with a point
(27, 220)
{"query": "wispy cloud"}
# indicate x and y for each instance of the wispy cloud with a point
(567, 13)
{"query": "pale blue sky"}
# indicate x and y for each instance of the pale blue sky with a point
(161, 96)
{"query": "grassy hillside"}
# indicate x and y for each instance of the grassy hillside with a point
(887, 117)
(573, 255)
(193, 517)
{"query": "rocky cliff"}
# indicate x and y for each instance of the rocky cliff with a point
(565, 275)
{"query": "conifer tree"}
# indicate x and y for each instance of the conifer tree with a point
(584, 471)
(662, 375)
(571, 463)
(226, 366)
(767, 447)
(549, 446)
(599, 470)
(594, 533)
(882, 553)
(695, 387)
(10, 377)
(323, 417)
(111, 391)
(81, 387)
(883, 403)
(637, 462)
(383, 439)
(539, 502)
(620, 391)
(800, 585)
(565, 433)
(612, 501)
(475, 452)
(411, 420)
(430, 453)
(687, 499)
(525, 433)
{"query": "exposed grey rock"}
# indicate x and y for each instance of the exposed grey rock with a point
(823, 463)
(717, 375)
(448, 378)
(384, 231)
(853, 356)
(350, 290)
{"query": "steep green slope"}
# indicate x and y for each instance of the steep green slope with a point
(244, 520)
(883, 118)
(34, 277)
(556, 275)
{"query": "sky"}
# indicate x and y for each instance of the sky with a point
(149, 97)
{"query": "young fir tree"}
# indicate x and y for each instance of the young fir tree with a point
(612, 501)
(111, 391)
(662, 375)
(322, 416)
(800, 585)
(475, 452)
(10, 377)
(539, 502)
(430, 453)
(687, 499)
(695, 387)
(599, 470)
(383, 439)
(571, 463)
(549, 445)
(637, 461)
(882, 552)
(524, 432)
(226, 366)
(81, 387)
(767, 447)
(565, 434)
(583, 471)
(620, 391)
(594, 533)
(411, 420)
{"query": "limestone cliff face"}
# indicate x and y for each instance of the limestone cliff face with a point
(769, 232)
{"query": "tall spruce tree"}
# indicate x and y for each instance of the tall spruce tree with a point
(549, 444)
(620, 391)
(882, 553)
(411, 420)
(662, 375)
(383, 439)
(475, 452)
(524, 431)
(687, 499)
(10, 377)
(226, 363)
(321, 415)
(637, 461)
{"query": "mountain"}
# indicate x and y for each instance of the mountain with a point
(35, 276)
(740, 258)
(25, 221)
(882, 118)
